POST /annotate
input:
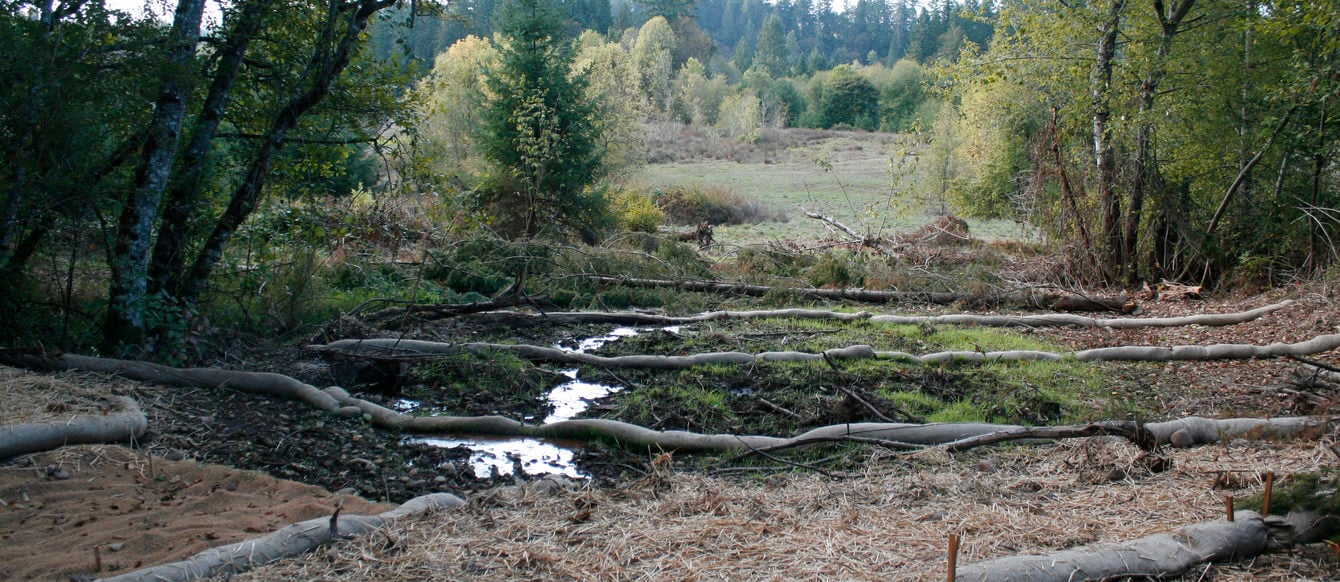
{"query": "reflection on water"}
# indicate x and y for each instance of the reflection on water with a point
(502, 456)
(573, 397)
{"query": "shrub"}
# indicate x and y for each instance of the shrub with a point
(635, 210)
(837, 269)
(488, 265)
(696, 204)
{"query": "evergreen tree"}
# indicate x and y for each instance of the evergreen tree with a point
(770, 55)
(540, 131)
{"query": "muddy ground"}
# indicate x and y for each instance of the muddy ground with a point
(292, 441)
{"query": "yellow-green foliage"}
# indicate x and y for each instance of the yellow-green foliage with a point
(452, 95)
(995, 130)
(741, 116)
(635, 210)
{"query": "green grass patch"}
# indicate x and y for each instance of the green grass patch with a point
(481, 384)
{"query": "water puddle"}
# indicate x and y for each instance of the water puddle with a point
(504, 456)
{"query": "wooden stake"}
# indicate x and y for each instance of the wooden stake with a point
(1265, 505)
(1228, 505)
(953, 556)
(97, 560)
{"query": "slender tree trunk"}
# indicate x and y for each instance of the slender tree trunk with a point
(130, 259)
(331, 56)
(1147, 179)
(1318, 170)
(169, 253)
(1104, 163)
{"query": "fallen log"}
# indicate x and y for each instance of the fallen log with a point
(407, 348)
(431, 312)
(1183, 432)
(1157, 556)
(293, 540)
(120, 427)
(1032, 299)
(264, 383)
(1046, 320)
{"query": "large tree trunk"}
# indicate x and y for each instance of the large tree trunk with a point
(169, 253)
(139, 212)
(331, 56)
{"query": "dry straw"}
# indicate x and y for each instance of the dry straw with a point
(26, 397)
(890, 522)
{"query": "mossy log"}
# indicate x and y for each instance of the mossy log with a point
(293, 540)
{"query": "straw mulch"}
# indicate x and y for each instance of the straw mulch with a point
(889, 523)
(26, 397)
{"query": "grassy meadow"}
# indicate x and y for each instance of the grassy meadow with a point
(872, 182)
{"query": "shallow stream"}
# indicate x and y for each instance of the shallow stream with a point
(500, 456)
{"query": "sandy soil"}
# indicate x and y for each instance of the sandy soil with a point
(84, 510)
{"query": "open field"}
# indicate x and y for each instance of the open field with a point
(865, 180)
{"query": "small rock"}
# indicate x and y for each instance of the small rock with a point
(438, 480)
(550, 485)
(57, 473)
(1182, 439)
(347, 491)
(116, 547)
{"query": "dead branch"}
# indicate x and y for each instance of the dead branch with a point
(873, 242)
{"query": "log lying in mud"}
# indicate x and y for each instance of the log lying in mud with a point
(293, 540)
(406, 348)
(1156, 556)
(1046, 320)
(1184, 432)
(1037, 300)
(119, 427)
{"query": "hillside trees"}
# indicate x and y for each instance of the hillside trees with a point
(653, 55)
(1185, 138)
(452, 99)
(849, 99)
